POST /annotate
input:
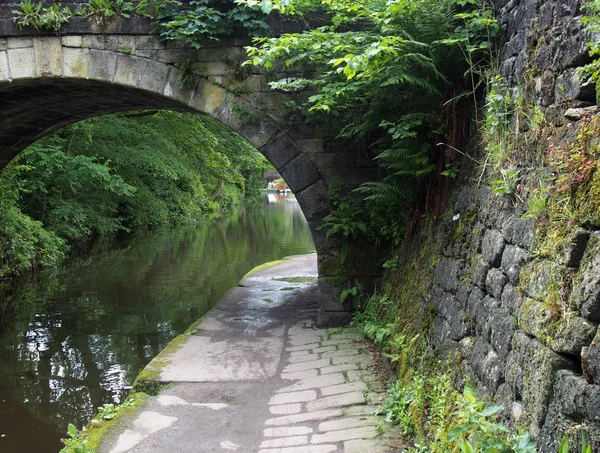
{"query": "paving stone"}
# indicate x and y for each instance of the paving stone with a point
(300, 375)
(288, 431)
(313, 364)
(329, 402)
(375, 397)
(301, 340)
(315, 382)
(300, 353)
(303, 358)
(303, 347)
(365, 432)
(349, 423)
(357, 375)
(343, 388)
(303, 449)
(286, 409)
(341, 352)
(324, 349)
(285, 442)
(362, 359)
(304, 417)
(366, 445)
(361, 410)
(294, 397)
(336, 342)
(338, 368)
(343, 336)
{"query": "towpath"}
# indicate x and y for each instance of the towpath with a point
(256, 375)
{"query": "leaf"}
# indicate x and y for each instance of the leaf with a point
(72, 430)
(491, 410)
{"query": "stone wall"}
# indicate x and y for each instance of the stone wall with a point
(490, 285)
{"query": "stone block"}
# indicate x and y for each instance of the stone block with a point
(19, 43)
(488, 366)
(480, 273)
(530, 372)
(364, 432)
(557, 424)
(286, 409)
(316, 382)
(495, 282)
(285, 442)
(335, 401)
(287, 431)
(295, 367)
(521, 232)
(152, 76)
(513, 259)
(339, 368)
(446, 274)
(293, 397)
(207, 97)
(126, 71)
(492, 247)
(21, 62)
(314, 202)
(103, 65)
(593, 359)
(4, 72)
(502, 328)
(367, 445)
(586, 288)
(149, 42)
(474, 301)
(510, 299)
(484, 317)
(294, 376)
(281, 151)
(234, 112)
(300, 173)
(125, 44)
(72, 41)
(174, 89)
(48, 57)
(304, 417)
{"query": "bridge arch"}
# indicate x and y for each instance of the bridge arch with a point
(47, 82)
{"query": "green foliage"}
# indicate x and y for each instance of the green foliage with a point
(118, 174)
(381, 74)
(592, 24)
(101, 10)
(564, 445)
(40, 16)
(207, 20)
(480, 432)
(75, 444)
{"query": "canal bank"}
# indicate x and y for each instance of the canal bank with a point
(256, 375)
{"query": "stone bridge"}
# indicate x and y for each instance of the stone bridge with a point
(91, 69)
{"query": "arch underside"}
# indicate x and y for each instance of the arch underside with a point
(30, 109)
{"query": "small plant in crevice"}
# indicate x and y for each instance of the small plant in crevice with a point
(74, 443)
(41, 17)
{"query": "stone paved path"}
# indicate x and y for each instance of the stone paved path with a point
(258, 377)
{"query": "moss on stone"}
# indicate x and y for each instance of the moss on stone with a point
(299, 279)
(98, 427)
(264, 266)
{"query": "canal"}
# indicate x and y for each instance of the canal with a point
(75, 338)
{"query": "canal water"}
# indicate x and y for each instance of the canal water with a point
(76, 338)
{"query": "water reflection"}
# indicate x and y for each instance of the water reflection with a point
(76, 339)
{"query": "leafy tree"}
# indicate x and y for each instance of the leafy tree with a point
(392, 73)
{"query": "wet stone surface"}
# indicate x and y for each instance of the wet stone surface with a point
(261, 378)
